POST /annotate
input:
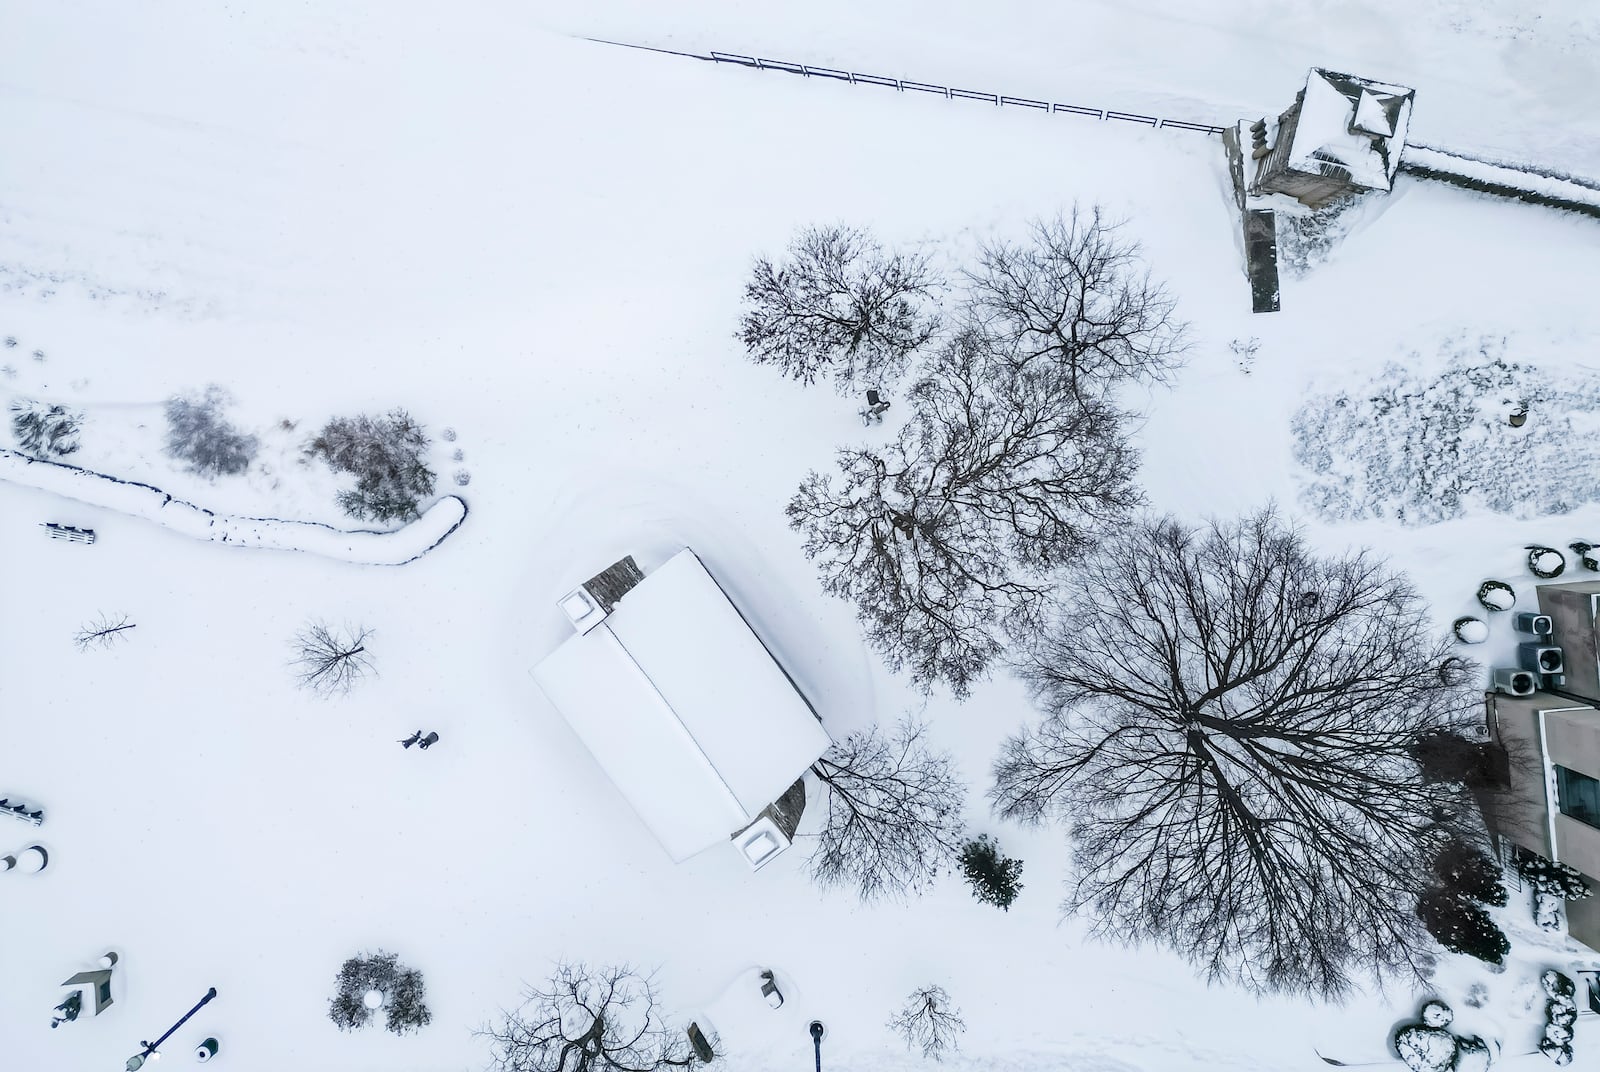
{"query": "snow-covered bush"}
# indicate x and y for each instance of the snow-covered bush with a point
(995, 879)
(1560, 1014)
(1470, 630)
(1559, 880)
(385, 454)
(43, 429)
(402, 990)
(1427, 447)
(929, 1023)
(197, 433)
(1461, 926)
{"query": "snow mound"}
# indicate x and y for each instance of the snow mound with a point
(366, 546)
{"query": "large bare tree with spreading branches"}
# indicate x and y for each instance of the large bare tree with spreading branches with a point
(943, 538)
(588, 1019)
(1229, 728)
(1077, 294)
(893, 813)
(839, 306)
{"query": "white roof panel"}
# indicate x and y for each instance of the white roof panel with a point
(714, 672)
(640, 743)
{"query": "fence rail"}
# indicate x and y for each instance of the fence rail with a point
(906, 85)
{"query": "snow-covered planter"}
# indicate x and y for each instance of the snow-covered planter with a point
(1545, 562)
(1437, 1014)
(1586, 554)
(1470, 630)
(1454, 670)
(1497, 595)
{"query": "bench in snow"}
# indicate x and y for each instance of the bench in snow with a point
(69, 532)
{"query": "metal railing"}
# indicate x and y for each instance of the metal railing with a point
(761, 63)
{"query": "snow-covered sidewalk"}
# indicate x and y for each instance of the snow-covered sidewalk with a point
(367, 546)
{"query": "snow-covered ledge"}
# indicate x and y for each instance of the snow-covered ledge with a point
(367, 546)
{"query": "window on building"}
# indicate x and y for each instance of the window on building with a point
(1578, 796)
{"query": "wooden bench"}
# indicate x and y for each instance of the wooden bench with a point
(69, 532)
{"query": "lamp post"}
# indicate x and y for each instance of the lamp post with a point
(818, 1029)
(137, 1060)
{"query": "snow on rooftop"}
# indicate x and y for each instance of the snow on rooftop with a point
(684, 708)
(640, 743)
(1370, 115)
(1332, 112)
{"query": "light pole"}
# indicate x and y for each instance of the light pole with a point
(818, 1029)
(137, 1060)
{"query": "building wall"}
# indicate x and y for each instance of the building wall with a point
(1571, 608)
(1583, 917)
(1518, 811)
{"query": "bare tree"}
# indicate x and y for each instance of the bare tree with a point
(943, 538)
(1077, 294)
(1229, 729)
(588, 1020)
(330, 659)
(103, 632)
(840, 305)
(928, 1022)
(893, 819)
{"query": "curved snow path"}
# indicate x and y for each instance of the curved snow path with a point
(365, 546)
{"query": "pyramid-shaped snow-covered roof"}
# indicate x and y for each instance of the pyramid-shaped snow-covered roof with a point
(1354, 125)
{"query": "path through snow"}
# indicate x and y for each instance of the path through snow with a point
(368, 546)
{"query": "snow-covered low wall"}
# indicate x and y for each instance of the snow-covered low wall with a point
(367, 546)
(1533, 185)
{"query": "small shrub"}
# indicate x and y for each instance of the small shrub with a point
(385, 456)
(1557, 880)
(404, 994)
(1461, 926)
(198, 434)
(1470, 872)
(994, 878)
(43, 429)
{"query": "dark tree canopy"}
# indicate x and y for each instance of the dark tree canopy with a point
(839, 306)
(941, 538)
(1462, 926)
(995, 878)
(386, 456)
(893, 813)
(404, 994)
(588, 1020)
(1467, 870)
(1076, 293)
(1228, 728)
(198, 433)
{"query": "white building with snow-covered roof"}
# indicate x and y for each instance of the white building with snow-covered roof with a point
(684, 708)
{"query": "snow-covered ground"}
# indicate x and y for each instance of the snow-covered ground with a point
(540, 242)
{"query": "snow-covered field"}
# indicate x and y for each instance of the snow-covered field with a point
(540, 242)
